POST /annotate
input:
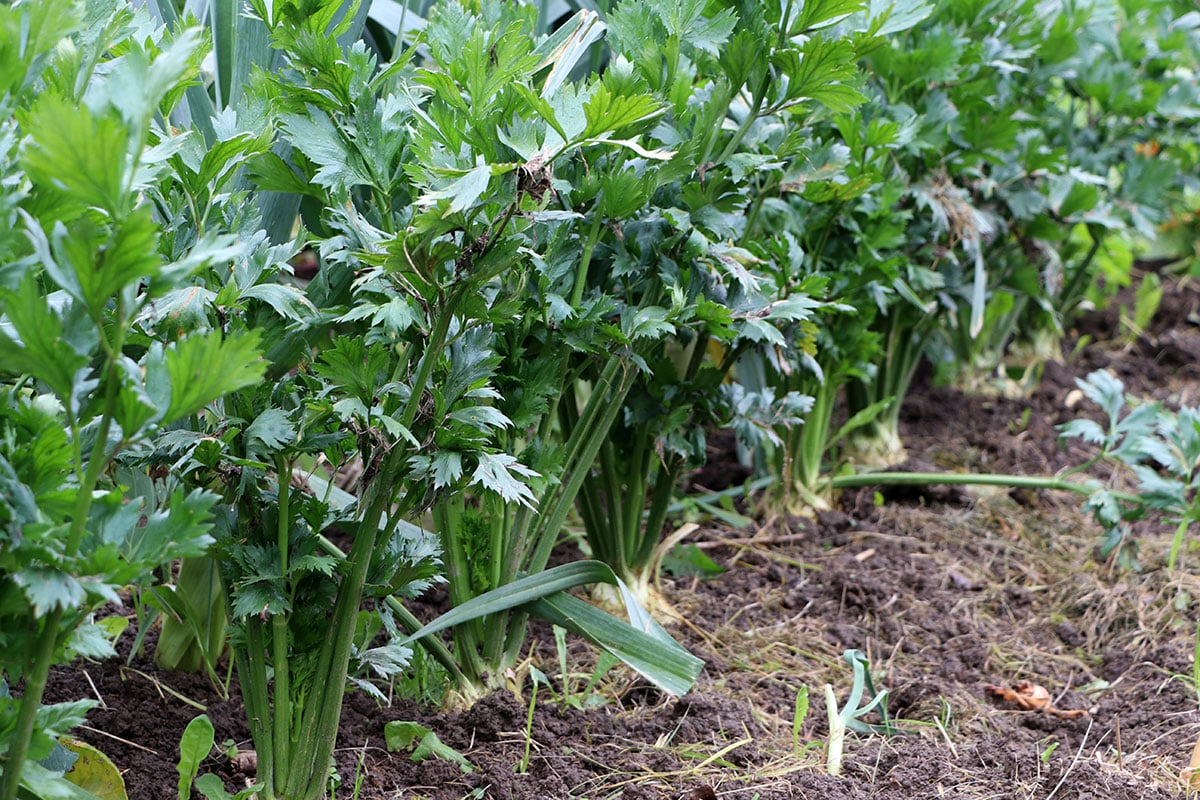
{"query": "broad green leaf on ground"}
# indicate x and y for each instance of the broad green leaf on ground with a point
(403, 735)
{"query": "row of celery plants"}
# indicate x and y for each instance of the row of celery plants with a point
(542, 259)
(968, 207)
(146, 298)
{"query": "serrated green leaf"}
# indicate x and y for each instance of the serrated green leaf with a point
(355, 368)
(1085, 429)
(483, 418)
(182, 529)
(688, 20)
(315, 135)
(39, 349)
(815, 14)
(203, 368)
(609, 113)
(447, 468)
(272, 429)
(462, 193)
(821, 73)
(502, 474)
(78, 153)
(47, 589)
(272, 174)
(287, 301)
(104, 266)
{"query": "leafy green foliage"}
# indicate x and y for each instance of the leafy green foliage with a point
(966, 203)
(79, 387)
(1159, 448)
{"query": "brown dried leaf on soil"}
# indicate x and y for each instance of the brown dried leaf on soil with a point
(1032, 697)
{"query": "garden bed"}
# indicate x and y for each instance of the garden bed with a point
(946, 591)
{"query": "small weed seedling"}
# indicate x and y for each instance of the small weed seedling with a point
(850, 716)
(195, 745)
(587, 696)
(424, 743)
(799, 714)
(1159, 447)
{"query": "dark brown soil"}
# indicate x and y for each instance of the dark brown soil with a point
(946, 591)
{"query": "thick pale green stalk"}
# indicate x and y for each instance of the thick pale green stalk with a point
(656, 515)
(307, 779)
(252, 676)
(837, 734)
(282, 712)
(447, 520)
(583, 445)
(806, 446)
(315, 747)
(906, 342)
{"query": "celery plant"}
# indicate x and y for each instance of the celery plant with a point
(757, 75)
(434, 230)
(80, 387)
(581, 165)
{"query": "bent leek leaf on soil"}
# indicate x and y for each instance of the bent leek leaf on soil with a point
(642, 643)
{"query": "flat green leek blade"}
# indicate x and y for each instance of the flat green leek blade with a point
(667, 665)
(643, 645)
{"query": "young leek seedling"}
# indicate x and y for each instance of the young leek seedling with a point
(850, 715)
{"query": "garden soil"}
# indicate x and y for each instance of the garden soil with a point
(947, 592)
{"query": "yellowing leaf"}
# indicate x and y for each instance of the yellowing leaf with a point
(95, 772)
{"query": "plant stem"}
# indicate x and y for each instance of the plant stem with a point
(252, 676)
(31, 700)
(282, 712)
(1177, 542)
(315, 747)
(409, 621)
(585, 260)
(837, 734)
(38, 671)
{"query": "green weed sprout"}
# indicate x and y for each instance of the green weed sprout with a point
(1159, 447)
(798, 716)
(850, 715)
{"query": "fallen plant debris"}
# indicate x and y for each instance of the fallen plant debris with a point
(1032, 697)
